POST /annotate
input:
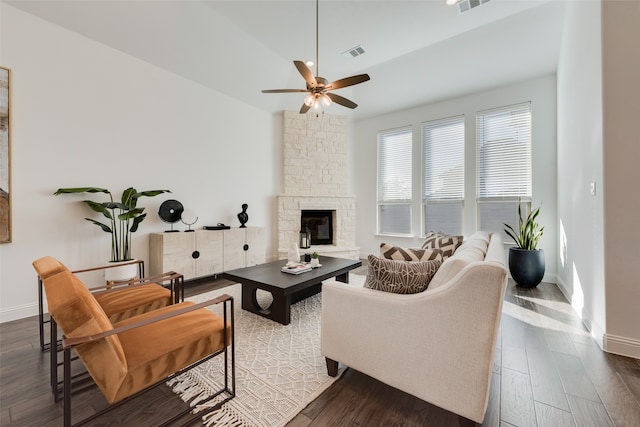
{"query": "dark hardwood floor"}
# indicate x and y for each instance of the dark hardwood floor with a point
(548, 372)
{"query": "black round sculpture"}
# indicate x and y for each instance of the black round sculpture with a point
(242, 216)
(170, 211)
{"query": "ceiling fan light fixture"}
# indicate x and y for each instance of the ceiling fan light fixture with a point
(451, 2)
(309, 63)
(325, 100)
(309, 100)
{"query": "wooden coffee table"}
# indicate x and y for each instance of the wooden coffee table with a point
(285, 288)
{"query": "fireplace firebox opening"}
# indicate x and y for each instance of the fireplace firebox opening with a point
(320, 225)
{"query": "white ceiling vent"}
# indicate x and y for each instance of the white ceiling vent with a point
(467, 5)
(353, 52)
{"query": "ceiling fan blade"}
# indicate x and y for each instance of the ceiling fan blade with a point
(304, 108)
(283, 90)
(348, 81)
(306, 73)
(341, 100)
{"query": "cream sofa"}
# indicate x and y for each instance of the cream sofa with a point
(437, 345)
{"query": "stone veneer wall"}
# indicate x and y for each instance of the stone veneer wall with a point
(315, 154)
(315, 177)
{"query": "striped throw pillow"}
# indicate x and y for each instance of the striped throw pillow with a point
(409, 254)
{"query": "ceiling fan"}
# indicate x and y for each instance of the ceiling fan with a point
(318, 87)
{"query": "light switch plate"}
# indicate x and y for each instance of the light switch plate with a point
(593, 188)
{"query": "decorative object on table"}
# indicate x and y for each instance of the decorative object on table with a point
(5, 155)
(170, 211)
(243, 217)
(307, 257)
(526, 262)
(188, 218)
(305, 239)
(294, 253)
(315, 260)
(296, 268)
(124, 216)
(220, 226)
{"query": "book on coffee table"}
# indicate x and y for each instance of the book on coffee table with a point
(296, 268)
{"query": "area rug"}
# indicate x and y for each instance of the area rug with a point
(279, 368)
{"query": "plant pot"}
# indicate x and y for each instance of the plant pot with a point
(127, 271)
(526, 266)
(315, 262)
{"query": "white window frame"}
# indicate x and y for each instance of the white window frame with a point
(454, 194)
(403, 196)
(509, 130)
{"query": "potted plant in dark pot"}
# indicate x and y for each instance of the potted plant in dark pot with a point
(526, 262)
(123, 217)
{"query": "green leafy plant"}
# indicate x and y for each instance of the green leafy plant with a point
(124, 216)
(529, 231)
(314, 255)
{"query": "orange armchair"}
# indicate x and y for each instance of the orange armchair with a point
(130, 356)
(119, 301)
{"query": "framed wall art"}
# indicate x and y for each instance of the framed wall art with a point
(5, 155)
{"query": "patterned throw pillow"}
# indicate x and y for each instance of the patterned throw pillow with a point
(409, 254)
(437, 240)
(400, 277)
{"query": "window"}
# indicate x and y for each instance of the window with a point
(443, 190)
(504, 165)
(394, 181)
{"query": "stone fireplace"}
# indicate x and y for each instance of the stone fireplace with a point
(315, 178)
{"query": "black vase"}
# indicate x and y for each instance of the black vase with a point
(526, 266)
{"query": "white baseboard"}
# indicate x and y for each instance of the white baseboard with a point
(19, 312)
(620, 345)
(596, 332)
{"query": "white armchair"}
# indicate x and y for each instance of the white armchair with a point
(437, 345)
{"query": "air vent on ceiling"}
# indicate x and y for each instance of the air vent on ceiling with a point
(353, 52)
(467, 5)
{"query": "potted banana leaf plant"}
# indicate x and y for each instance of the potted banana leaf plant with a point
(122, 220)
(526, 262)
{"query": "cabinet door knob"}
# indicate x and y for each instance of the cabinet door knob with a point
(195, 255)
(245, 247)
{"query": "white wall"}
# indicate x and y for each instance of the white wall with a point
(581, 264)
(621, 152)
(598, 143)
(87, 115)
(542, 94)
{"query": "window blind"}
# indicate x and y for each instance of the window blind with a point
(394, 181)
(504, 165)
(504, 152)
(394, 165)
(443, 163)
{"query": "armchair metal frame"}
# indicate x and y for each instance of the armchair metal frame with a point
(229, 383)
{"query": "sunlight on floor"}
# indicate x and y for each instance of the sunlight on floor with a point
(540, 320)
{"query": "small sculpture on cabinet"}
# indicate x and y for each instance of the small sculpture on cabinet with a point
(242, 216)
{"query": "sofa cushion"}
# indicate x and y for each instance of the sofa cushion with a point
(438, 240)
(471, 250)
(400, 277)
(409, 254)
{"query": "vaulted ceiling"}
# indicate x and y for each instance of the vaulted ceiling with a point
(416, 52)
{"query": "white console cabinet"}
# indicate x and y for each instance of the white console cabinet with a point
(206, 252)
